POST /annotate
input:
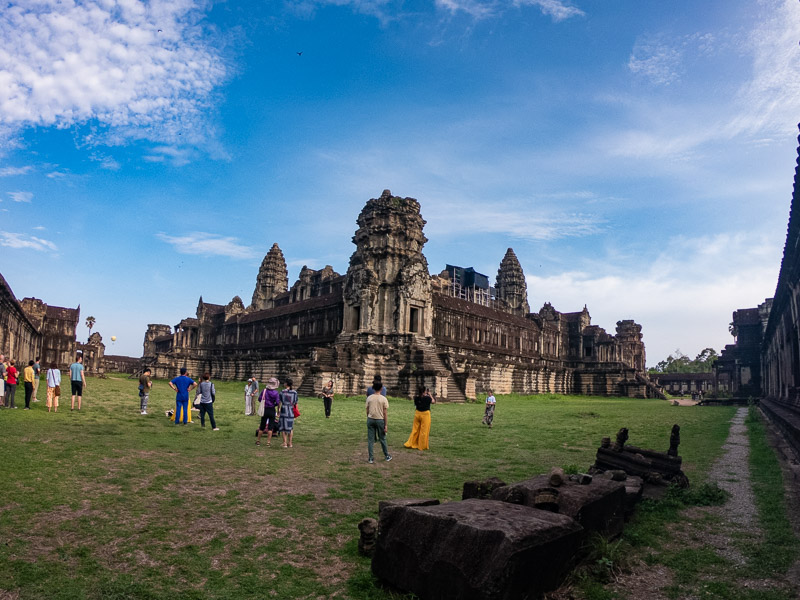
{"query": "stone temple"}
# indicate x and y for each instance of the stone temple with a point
(387, 315)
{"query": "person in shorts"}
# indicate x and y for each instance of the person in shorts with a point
(77, 380)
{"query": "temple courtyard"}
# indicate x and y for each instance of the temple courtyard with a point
(109, 503)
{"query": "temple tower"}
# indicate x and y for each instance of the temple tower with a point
(510, 286)
(272, 280)
(388, 290)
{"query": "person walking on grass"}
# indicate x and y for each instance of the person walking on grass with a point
(207, 394)
(27, 376)
(377, 424)
(286, 421)
(182, 386)
(53, 387)
(422, 419)
(2, 381)
(77, 380)
(145, 385)
(488, 415)
(272, 400)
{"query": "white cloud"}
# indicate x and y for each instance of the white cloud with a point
(21, 196)
(132, 69)
(556, 9)
(11, 171)
(480, 9)
(20, 241)
(208, 244)
(657, 61)
(683, 299)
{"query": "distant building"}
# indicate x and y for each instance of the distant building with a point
(387, 315)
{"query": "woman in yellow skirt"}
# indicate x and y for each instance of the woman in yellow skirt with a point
(422, 420)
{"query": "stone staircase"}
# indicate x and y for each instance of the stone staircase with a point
(454, 392)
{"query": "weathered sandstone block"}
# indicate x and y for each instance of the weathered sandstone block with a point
(474, 550)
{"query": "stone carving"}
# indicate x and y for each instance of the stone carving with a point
(622, 437)
(272, 279)
(510, 285)
(474, 549)
(674, 440)
(481, 488)
(369, 533)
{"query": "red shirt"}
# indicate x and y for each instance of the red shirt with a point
(11, 375)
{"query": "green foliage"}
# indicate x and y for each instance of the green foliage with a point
(680, 363)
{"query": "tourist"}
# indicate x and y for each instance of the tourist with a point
(286, 420)
(53, 387)
(327, 398)
(145, 385)
(27, 377)
(422, 420)
(377, 424)
(11, 383)
(37, 372)
(488, 416)
(77, 380)
(207, 394)
(182, 386)
(377, 386)
(2, 381)
(250, 394)
(271, 399)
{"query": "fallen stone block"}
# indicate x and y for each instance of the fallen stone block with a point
(406, 502)
(598, 506)
(369, 533)
(481, 488)
(474, 550)
(634, 487)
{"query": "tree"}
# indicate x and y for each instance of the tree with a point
(678, 362)
(90, 321)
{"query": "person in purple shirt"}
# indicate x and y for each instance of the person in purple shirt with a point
(182, 385)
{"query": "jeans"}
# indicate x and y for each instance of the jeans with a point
(28, 393)
(207, 408)
(11, 391)
(182, 404)
(327, 401)
(375, 427)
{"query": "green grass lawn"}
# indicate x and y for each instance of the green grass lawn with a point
(108, 503)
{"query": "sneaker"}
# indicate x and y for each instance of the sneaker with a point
(144, 412)
(215, 429)
(388, 458)
(371, 461)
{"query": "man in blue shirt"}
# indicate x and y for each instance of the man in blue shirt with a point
(182, 385)
(77, 380)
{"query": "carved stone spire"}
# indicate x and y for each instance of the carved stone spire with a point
(510, 286)
(272, 280)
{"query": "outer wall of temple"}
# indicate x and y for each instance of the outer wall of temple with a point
(19, 337)
(387, 315)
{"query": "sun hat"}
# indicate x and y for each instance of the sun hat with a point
(272, 384)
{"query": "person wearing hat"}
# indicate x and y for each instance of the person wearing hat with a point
(271, 399)
(250, 394)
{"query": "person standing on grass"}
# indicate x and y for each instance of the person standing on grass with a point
(37, 372)
(11, 383)
(271, 399)
(182, 386)
(327, 398)
(488, 416)
(377, 424)
(53, 387)
(2, 381)
(145, 385)
(377, 386)
(207, 394)
(250, 395)
(77, 380)
(422, 419)
(286, 421)
(27, 376)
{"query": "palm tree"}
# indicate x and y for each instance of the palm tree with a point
(90, 323)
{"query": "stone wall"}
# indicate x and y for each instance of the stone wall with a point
(20, 339)
(58, 326)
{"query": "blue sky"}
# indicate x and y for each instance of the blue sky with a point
(638, 156)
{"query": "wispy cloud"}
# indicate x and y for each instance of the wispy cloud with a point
(11, 171)
(20, 196)
(556, 9)
(656, 60)
(208, 244)
(134, 69)
(482, 9)
(20, 241)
